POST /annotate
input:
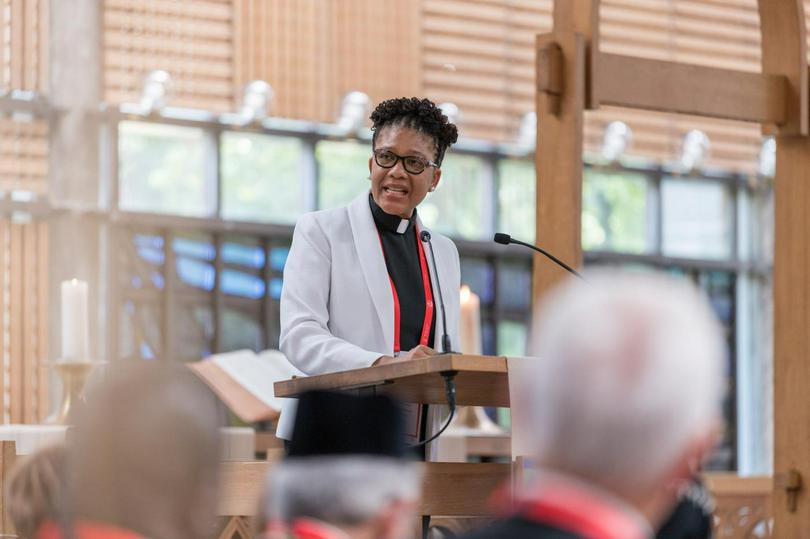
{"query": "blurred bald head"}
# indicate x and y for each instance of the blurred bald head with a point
(628, 379)
(145, 452)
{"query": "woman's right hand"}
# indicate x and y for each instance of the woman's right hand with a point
(418, 352)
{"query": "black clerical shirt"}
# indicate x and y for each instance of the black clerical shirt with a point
(401, 254)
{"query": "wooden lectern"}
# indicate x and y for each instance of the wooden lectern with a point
(451, 489)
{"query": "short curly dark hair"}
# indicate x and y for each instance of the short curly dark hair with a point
(421, 115)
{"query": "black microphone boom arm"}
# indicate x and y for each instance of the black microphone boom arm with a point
(506, 239)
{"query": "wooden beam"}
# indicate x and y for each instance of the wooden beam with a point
(549, 71)
(625, 81)
(782, 25)
(558, 161)
(791, 293)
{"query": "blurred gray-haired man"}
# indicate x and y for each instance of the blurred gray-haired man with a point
(618, 409)
(347, 475)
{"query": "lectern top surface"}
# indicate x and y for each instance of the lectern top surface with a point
(481, 378)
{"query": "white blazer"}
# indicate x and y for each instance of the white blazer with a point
(337, 309)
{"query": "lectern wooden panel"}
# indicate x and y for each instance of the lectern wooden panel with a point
(480, 380)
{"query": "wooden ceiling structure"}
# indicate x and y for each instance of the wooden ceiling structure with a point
(573, 75)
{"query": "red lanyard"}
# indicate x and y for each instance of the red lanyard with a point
(87, 530)
(580, 513)
(423, 340)
(312, 529)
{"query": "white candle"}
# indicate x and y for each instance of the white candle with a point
(470, 322)
(74, 321)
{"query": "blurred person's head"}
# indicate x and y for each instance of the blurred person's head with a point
(145, 453)
(363, 496)
(626, 389)
(347, 469)
(35, 490)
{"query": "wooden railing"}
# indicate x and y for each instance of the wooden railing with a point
(742, 506)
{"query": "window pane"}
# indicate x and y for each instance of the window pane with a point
(512, 338)
(240, 283)
(479, 275)
(697, 218)
(140, 262)
(161, 170)
(140, 330)
(342, 172)
(195, 331)
(516, 198)
(514, 286)
(456, 208)
(241, 329)
(251, 256)
(487, 337)
(194, 261)
(278, 257)
(614, 212)
(720, 287)
(261, 178)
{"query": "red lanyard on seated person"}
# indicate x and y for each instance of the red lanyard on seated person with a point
(580, 513)
(423, 340)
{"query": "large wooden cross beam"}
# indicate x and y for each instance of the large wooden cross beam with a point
(573, 75)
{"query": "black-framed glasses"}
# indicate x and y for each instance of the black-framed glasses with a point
(413, 163)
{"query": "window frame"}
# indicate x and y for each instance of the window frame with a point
(745, 269)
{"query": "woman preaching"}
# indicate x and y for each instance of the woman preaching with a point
(355, 288)
(360, 287)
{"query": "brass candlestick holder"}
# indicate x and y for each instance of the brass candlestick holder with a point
(73, 375)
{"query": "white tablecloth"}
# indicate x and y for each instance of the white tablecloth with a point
(238, 443)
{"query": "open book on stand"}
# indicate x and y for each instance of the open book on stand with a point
(244, 380)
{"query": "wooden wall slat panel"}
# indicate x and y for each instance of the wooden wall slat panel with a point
(43, 41)
(42, 318)
(481, 57)
(476, 53)
(24, 155)
(17, 44)
(24, 310)
(30, 350)
(199, 9)
(145, 20)
(29, 56)
(5, 357)
(118, 40)
(5, 41)
(202, 69)
(724, 34)
(16, 372)
(312, 53)
(193, 40)
(23, 44)
(23, 247)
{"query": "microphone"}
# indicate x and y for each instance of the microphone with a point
(446, 348)
(506, 239)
